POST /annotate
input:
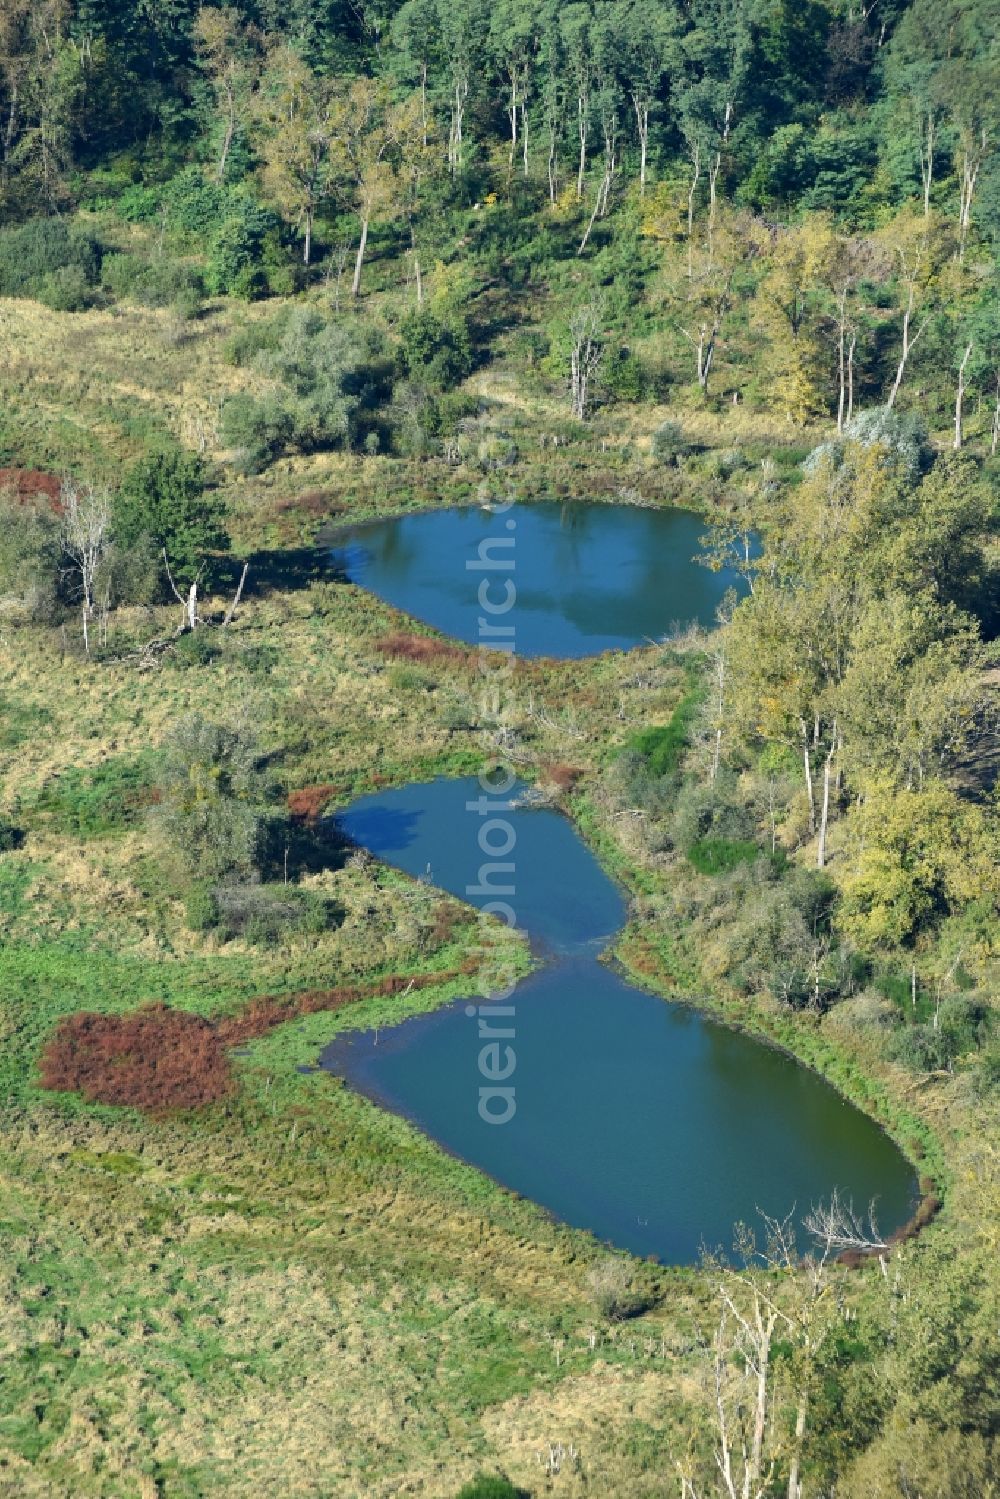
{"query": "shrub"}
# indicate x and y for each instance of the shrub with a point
(157, 1059)
(309, 803)
(195, 648)
(327, 385)
(192, 202)
(33, 252)
(241, 250)
(669, 442)
(662, 747)
(139, 204)
(11, 837)
(201, 909)
(437, 349)
(255, 430)
(30, 552)
(903, 435)
(720, 855)
(613, 1290)
(163, 498)
(264, 914)
(65, 290)
(211, 809)
(707, 813)
(962, 1025)
(490, 1486)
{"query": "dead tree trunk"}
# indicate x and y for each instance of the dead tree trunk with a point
(960, 398)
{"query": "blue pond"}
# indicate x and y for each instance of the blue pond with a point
(585, 577)
(638, 1119)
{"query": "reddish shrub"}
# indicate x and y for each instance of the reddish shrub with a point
(161, 1060)
(447, 917)
(309, 802)
(564, 776)
(29, 483)
(156, 1059)
(421, 648)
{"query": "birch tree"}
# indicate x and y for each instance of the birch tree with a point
(227, 49)
(86, 539)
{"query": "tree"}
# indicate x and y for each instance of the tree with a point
(789, 307)
(648, 41)
(586, 353)
(294, 106)
(912, 246)
(373, 139)
(228, 50)
(914, 856)
(513, 43)
(86, 537)
(163, 498)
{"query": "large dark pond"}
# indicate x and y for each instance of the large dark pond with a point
(638, 1119)
(582, 578)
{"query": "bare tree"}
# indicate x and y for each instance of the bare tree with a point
(85, 540)
(836, 1226)
(586, 354)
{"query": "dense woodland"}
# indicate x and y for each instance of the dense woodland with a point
(271, 265)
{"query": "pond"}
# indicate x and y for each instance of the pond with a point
(639, 1119)
(564, 580)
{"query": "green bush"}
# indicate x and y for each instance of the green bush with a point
(195, 648)
(267, 914)
(108, 798)
(663, 746)
(669, 442)
(211, 801)
(490, 1486)
(65, 290)
(242, 249)
(435, 349)
(327, 383)
(47, 255)
(193, 203)
(962, 1025)
(163, 499)
(139, 204)
(201, 909)
(256, 430)
(11, 837)
(720, 855)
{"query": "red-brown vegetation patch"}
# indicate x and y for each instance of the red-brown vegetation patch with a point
(563, 776)
(162, 1060)
(155, 1059)
(420, 648)
(268, 1011)
(29, 484)
(309, 802)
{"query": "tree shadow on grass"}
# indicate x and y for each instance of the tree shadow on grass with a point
(278, 570)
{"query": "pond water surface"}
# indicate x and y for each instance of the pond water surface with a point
(585, 577)
(638, 1119)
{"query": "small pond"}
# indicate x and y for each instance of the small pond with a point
(641, 1120)
(583, 578)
